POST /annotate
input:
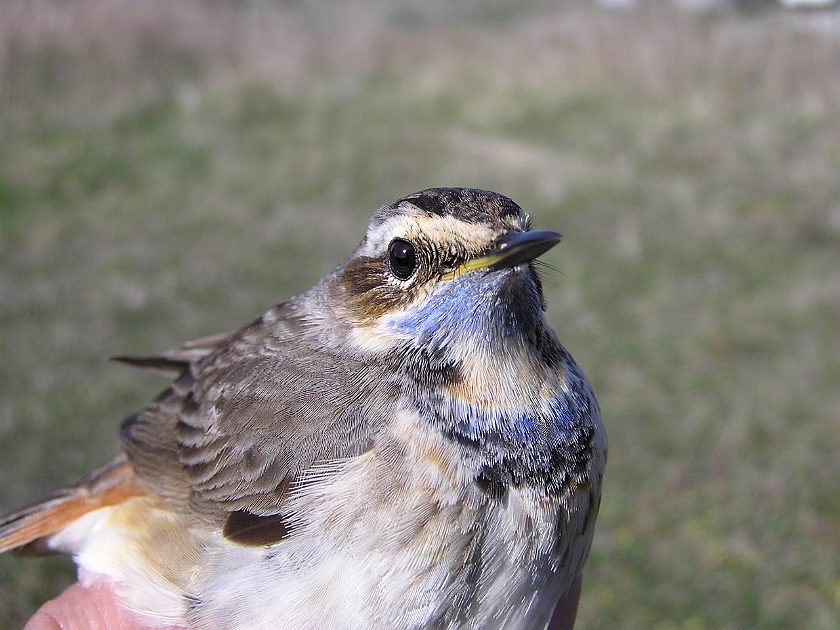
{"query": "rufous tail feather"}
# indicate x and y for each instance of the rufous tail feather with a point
(109, 485)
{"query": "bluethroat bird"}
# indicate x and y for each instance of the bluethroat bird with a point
(406, 445)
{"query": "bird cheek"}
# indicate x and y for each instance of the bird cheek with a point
(367, 294)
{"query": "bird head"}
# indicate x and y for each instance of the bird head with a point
(445, 260)
(449, 271)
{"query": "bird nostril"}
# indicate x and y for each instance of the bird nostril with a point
(504, 241)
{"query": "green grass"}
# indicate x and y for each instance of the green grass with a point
(168, 171)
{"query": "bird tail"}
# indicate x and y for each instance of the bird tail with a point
(28, 530)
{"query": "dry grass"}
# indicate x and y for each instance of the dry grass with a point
(169, 169)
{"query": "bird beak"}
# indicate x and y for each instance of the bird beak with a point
(514, 248)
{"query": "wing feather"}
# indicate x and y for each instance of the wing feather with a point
(174, 362)
(243, 421)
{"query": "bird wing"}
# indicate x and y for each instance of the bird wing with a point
(243, 421)
(247, 413)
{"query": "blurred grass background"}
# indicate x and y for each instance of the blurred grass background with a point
(170, 169)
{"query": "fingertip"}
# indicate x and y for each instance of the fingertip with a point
(81, 607)
(42, 621)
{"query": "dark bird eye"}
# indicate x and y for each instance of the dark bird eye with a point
(402, 258)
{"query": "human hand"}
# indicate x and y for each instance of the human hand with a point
(80, 607)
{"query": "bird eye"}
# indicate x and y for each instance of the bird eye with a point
(402, 258)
